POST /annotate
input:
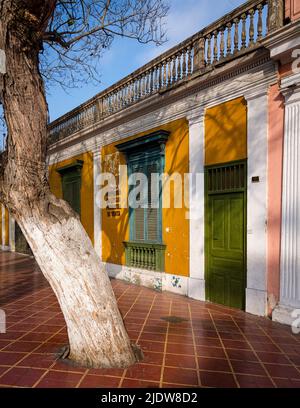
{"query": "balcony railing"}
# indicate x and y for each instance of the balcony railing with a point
(145, 255)
(231, 36)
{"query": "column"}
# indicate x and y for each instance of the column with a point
(196, 287)
(290, 227)
(12, 230)
(97, 209)
(257, 139)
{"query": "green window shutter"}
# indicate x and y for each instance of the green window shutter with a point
(71, 184)
(139, 224)
(71, 192)
(152, 216)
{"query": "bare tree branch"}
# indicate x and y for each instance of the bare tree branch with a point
(81, 30)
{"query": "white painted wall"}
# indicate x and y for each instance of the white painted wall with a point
(257, 135)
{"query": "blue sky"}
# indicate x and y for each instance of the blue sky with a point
(185, 18)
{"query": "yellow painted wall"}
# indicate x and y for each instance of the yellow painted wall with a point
(6, 227)
(175, 225)
(87, 188)
(226, 132)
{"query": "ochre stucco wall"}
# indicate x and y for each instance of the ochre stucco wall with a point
(87, 188)
(175, 226)
(226, 132)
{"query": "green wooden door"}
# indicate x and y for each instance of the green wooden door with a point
(71, 192)
(225, 243)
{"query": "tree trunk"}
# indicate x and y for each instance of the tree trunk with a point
(64, 252)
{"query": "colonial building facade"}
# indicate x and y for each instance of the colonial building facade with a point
(221, 111)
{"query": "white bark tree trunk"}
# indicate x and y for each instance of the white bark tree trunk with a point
(65, 254)
(58, 241)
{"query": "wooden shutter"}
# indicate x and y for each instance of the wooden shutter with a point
(152, 217)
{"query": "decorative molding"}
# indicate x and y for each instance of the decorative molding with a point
(283, 41)
(114, 129)
(290, 232)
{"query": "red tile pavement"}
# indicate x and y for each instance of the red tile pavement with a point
(213, 346)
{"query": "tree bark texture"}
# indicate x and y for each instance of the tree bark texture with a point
(64, 252)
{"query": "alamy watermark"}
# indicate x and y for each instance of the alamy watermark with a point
(2, 321)
(155, 190)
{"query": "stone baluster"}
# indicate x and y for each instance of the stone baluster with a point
(209, 49)
(179, 66)
(174, 74)
(236, 35)
(169, 71)
(244, 35)
(190, 68)
(164, 79)
(222, 44)
(215, 52)
(228, 47)
(251, 27)
(184, 65)
(160, 76)
(259, 22)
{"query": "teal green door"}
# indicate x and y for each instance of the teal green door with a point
(225, 245)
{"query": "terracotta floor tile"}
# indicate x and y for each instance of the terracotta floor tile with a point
(247, 367)
(22, 346)
(99, 381)
(151, 346)
(275, 358)
(35, 360)
(153, 336)
(36, 332)
(11, 358)
(153, 358)
(180, 376)
(203, 351)
(59, 379)
(251, 381)
(144, 372)
(213, 364)
(177, 348)
(218, 380)
(269, 348)
(3, 369)
(129, 383)
(286, 383)
(182, 361)
(243, 355)
(22, 377)
(283, 371)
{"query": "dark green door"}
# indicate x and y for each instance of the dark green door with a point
(71, 192)
(225, 239)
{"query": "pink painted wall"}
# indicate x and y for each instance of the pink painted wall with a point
(275, 153)
(292, 9)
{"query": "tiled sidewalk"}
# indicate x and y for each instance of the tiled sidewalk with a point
(212, 346)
